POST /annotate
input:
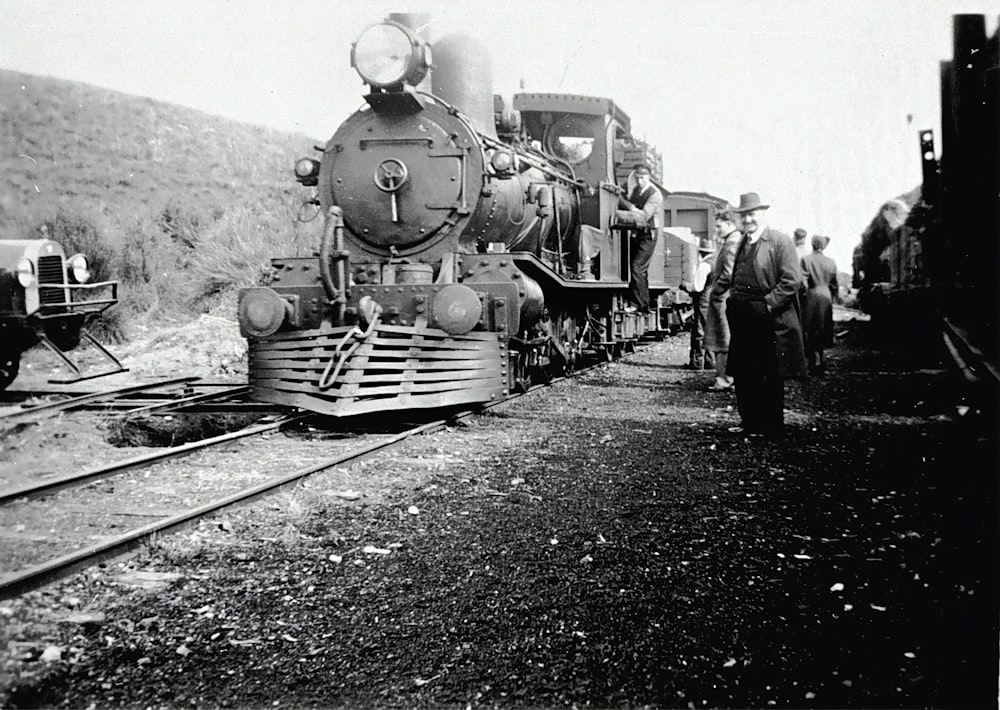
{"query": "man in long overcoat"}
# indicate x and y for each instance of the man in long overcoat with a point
(765, 345)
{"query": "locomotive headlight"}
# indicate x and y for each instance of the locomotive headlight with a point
(78, 269)
(307, 172)
(25, 271)
(390, 54)
(502, 162)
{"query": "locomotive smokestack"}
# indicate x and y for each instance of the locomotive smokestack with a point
(462, 75)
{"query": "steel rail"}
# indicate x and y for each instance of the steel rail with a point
(63, 404)
(36, 489)
(185, 401)
(33, 577)
(970, 360)
(26, 580)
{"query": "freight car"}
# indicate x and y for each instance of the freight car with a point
(469, 247)
(689, 219)
(933, 254)
(47, 299)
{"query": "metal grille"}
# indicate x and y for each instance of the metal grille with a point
(50, 271)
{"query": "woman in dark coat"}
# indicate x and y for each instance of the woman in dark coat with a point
(820, 274)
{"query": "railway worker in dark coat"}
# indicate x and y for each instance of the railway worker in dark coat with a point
(728, 238)
(820, 274)
(766, 334)
(646, 205)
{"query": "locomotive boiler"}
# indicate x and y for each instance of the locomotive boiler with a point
(468, 246)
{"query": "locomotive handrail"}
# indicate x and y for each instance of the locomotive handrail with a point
(571, 180)
(494, 143)
(335, 286)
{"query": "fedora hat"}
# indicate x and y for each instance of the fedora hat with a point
(749, 202)
(705, 245)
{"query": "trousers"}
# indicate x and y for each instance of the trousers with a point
(642, 255)
(753, 359)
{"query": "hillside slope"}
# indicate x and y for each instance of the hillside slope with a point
(66, 144)
(181, 206)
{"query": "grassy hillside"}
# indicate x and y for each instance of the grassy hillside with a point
(179, 205)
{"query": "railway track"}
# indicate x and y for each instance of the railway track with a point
(170, 494)
(189, 394)
(970, 360)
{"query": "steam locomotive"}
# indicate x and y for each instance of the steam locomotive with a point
(47, 298)
(469, 248)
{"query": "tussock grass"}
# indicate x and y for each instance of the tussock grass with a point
(180, 206)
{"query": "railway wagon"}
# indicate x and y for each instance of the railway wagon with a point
(47, 298)
(934, 253)
(469, 247)
(689, 219)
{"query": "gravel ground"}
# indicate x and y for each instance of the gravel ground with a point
(605, 542)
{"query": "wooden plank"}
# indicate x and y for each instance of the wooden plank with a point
(330, 344)
(393, 390)
(352, 366)
(337, 334)
(423, 354)
(347, 375)
(344, 408)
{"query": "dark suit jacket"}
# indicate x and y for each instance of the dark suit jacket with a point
(777, 270)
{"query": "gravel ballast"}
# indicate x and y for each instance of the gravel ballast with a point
(605, 542)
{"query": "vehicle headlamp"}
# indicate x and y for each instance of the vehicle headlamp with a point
(502, 162)
(389, 54)
(307, 171)
(25, 271)
(78, 269)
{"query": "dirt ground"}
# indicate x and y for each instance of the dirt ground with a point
(605, 542)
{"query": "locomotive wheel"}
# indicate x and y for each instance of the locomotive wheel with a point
(10, 363)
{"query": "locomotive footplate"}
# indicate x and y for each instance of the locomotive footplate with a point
(345, 371)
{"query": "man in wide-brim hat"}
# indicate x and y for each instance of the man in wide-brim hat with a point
(765, 345)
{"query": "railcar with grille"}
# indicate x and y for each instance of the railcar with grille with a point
(47, 298)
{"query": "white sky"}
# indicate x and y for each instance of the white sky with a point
(805, 102)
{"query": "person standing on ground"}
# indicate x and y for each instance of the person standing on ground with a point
(699, 289)
(801, 248)
(728, 238)
(646, 205)
(765, 345)
(820, 274)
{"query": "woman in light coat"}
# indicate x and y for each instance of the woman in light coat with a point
(820, 275)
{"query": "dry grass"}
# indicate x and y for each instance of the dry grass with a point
(180, 206)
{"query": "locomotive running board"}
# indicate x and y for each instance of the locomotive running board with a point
(393, 368)
(61, 354)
